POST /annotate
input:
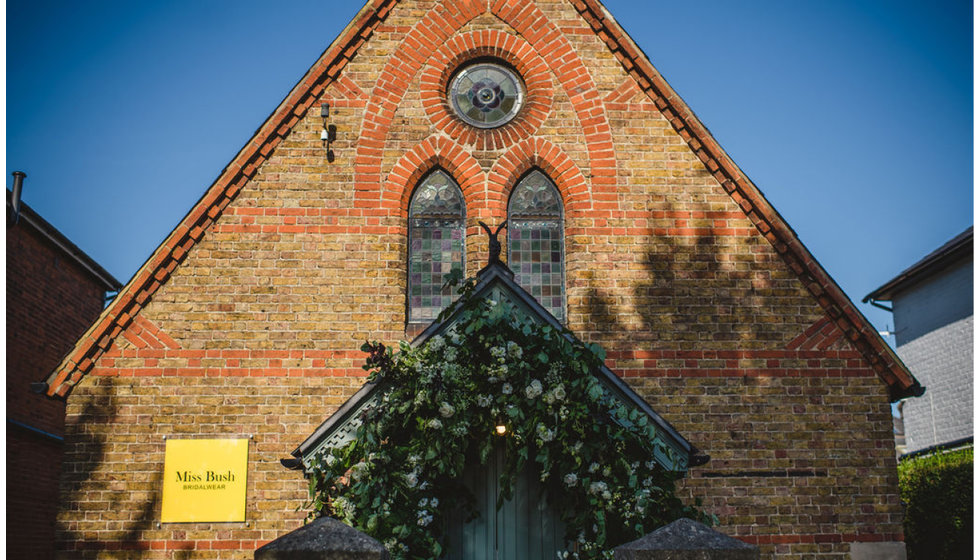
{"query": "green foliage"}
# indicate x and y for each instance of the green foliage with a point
(400, 478)
(938, 492)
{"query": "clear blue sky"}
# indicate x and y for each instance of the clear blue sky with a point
(854, 117)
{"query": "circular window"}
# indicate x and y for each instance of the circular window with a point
(486, 95)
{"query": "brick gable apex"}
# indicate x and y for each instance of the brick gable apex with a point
(122, 312)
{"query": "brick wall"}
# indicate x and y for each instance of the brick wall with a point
(256, 331)
(50, 302)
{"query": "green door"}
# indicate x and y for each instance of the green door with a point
(524, 528)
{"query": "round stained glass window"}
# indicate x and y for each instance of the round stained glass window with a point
(486, 95)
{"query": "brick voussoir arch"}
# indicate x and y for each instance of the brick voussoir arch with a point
(492, 44)
(539, 38)
(433, 30)
(541, 153)
(433, 152)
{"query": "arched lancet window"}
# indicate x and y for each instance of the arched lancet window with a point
(436, 221)
(536, 241)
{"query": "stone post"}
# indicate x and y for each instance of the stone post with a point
(323, 539)
(685, 539)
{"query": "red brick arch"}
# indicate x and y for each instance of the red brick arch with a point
(530, 153)
(434, 151)
(492, 44)
(433, 31)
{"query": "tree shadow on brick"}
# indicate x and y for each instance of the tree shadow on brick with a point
(111, 491)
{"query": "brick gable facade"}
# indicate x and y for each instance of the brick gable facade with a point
(247, 319)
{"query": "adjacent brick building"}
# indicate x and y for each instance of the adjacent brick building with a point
(54, 292)
(932, 303)
(247, 319)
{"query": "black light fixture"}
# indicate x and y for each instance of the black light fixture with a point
(328, 134)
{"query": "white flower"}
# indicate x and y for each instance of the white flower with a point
(344, 508)
(423, 502)
(606, 471)
(593, 467)
(499, 353)
(506, 389)
(597, 487)
(606, 495)
(434, 502)
(446, 410)
(436, 343)
(483, 400)
(412, 479)
(413, 458)
(533, 390)
(450, 354)
(424, 518)
(435, 424)
(559, 392)
(544, 433)
(358, 471)
(514, 350)
(571, 479)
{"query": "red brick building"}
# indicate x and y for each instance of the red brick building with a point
(54, 292)
(627, 221)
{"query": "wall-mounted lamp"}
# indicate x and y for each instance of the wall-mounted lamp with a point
(501, 429)
(328, 134)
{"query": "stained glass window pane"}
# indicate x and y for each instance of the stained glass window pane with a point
(535, 241)
(486, 95)
(435, 244)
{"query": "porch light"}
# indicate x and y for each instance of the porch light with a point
(501, 429)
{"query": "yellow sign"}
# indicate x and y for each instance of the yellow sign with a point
(204, 480)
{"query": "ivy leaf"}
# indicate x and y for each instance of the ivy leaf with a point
(598, 351)
(595, 391)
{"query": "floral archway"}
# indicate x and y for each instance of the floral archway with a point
(496, 377)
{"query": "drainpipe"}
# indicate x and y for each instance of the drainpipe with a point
(15, 197)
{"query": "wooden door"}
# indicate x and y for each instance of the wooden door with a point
(524, 528)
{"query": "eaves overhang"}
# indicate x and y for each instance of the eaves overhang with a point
(954, 250)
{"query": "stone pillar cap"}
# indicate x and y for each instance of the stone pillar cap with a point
(686, 539)
(323, 539)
